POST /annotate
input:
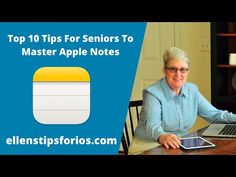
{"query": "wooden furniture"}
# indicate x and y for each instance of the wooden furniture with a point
(224, 146)
(128, 133)
(223, 43)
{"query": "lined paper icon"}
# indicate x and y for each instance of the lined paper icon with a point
(61, 95)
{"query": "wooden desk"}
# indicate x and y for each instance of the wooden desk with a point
(224, 146)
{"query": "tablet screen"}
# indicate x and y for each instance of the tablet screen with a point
(195, 143)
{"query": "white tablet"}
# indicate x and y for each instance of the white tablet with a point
(195, 143)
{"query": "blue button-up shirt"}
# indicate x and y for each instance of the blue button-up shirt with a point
(164, 112)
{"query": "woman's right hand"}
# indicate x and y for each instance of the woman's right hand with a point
(169, 141)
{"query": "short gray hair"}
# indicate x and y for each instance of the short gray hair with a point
(175, 53)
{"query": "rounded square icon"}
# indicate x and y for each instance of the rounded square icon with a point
(61, 95)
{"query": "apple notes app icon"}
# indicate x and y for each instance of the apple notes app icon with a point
(61, 95)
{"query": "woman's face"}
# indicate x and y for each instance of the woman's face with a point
(176, 73)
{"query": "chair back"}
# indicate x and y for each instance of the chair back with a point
(133, 116)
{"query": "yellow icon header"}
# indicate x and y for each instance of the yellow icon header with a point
(61, 74)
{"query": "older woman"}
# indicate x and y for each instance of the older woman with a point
(171, 105)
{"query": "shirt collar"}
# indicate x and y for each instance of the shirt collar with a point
(169, 94)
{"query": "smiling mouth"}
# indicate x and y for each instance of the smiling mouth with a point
(177, 80)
